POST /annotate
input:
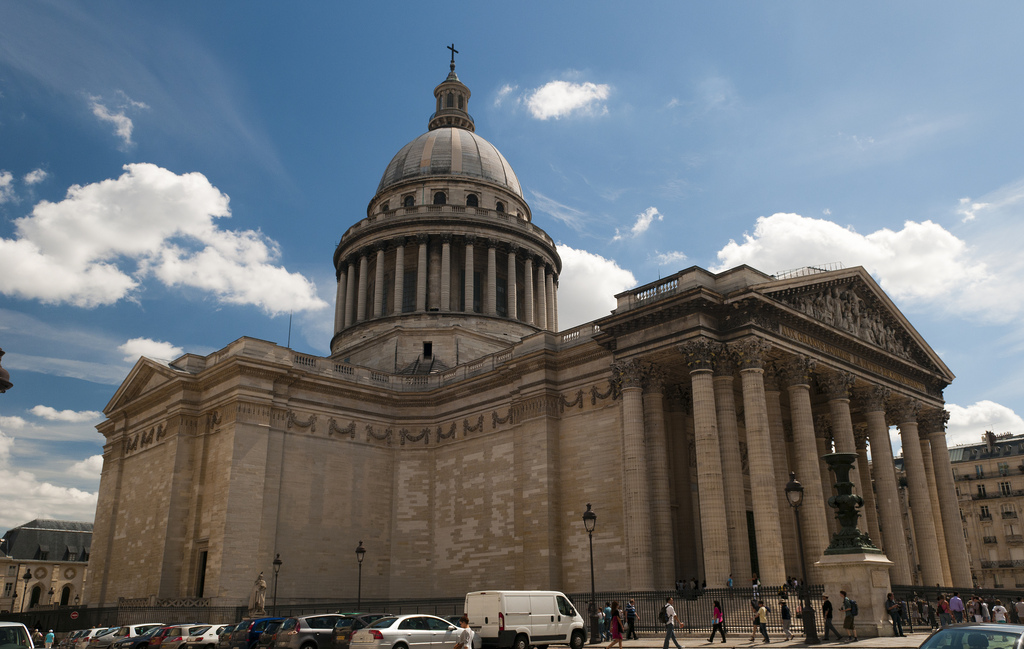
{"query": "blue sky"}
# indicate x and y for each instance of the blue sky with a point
(176, 175)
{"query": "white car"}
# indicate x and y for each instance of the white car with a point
(416, 631)
(15, 635)
(204, 637)
(83, 640)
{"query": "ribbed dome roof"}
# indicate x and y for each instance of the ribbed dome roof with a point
(450, 152)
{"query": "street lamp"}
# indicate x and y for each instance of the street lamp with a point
(24, 594)
(795, 496)
(76, 600)
(277, 569)
(51, 595)
(589, 522)
(360, 551)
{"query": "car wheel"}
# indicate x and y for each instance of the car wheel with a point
(400, 645)
(577, 640)
(521, 642)
(308, 645)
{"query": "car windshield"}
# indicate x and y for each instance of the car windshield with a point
(199, 630)
(151, 632)
(972, 638)
(345, 622)
(14, 636)
(383, 623)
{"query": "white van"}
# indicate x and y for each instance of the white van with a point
(517, 619)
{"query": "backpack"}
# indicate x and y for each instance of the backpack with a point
(853, 608)
(663, 614)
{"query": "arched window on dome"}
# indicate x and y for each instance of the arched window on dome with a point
(460, 102)
(451, 100)
(385, 208)
(409, 201)
(472, 201)
(500, 207)
(439, 103)
(440, 198)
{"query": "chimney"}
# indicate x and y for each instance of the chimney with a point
(990, 441)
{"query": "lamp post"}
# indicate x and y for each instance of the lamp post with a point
(277, 569)
(51, 595)
(360, 551)
(795, 496)
(589, 522)
(76, 600)
(24, 593)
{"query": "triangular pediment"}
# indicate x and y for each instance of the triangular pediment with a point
(146, 376)
(850, 303)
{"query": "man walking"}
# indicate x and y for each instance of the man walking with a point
(826, 614)
(762, 620)
(892, 607)
(669, 615)
(631, 620)
(787, 620)
(848, 624)
(606, 633)
(956, 605)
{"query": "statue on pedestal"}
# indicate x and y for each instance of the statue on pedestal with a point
(258, 599)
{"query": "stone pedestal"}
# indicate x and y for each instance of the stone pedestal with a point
(865, 578)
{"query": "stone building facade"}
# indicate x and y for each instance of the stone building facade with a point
(53, 554)
(459, 433)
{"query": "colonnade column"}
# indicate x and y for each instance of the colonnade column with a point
(491, 299)
(510, 292)
(780, 463)
(634, 460)
(421, 273)
(699, 355)
(350, 293)
(837, 386)
(549, 288)
(893, 540)
(663, 542)
(528, 288)
(554, 302)
(771, 565)
(378, 283)
(467, 291)
(795, 375)
(860, 437)
(446, 272)
(917, 483)
(339, 300)
(952, 527)
(732, 466)
(823, 442)
(542, 313)
(361, 304)
(929, 473)
(399, 274)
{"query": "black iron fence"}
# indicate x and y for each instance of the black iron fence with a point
(920, 603)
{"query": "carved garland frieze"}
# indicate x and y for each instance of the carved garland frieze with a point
(443, 435)
(310, 422)
(467, 428)
(350, 430)
(565, 403)
(384, 436)
(613, 392)
(424, 435)
(495, 419)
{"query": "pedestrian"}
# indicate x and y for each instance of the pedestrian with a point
(983, 607)
(607, 632)
(600, 623)
(1014, 615)
(945, 615)
(1019, 607)
(892, 607)
(956, 606)
(762, 620)
(972, 609)
(787, 620)
(465, 637)
(755, 583)
(848, 624)
(999, 613)
(826, 614)
(49, 639)
(615, 626)
(631, 619)
(728, 584)
(669, 614)
(718, 622)
(37, 637)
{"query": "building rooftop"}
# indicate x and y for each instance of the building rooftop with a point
(49, 540)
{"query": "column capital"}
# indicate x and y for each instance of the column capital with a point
(490, 242)
(750, 352)
(904, 410)
(398, 242)
(681, 398)
(630, 373)
(724, 363)
(823, 427)
(446, 238)
(699, 353)
(470, 239)
(860, 435)
(422, 238)
(836, 384)
(771, 377)
(513, 248)
(873, 398)
(932, 421)
(655, 379)
(380, 246)
(796, 371)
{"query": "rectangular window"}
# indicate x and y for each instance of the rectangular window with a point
(1004, 468)
(978, 471)
(984, 513)
(1004, 488)
(201, 574)
(7, 589)
(981, 491)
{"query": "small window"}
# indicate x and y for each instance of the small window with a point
(500, 207)
(385, 208)
(1004, 488)
(440, 198)
(472, 201)
(44, 555)
(451, 100)
(428, 349)
(460, 102)
(409, 201)
(981, 491)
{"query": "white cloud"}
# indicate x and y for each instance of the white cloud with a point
(968, 424)
(12, 423)
(136, 347)
(557, 99)
(80, 249)
(70, 416)
(671, 257)
(587, 286)
(6, 186)
(25, 497)
(35, 177)
(922, 263)
(570, 216)
(123, 125)
(89, 468)
(993, 203)
(642, 223)
(504, 93)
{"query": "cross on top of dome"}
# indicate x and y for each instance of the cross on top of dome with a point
(452, 102)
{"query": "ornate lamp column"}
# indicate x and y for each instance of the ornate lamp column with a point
(590, 522)
(277, 568)
(795, 496)
(631, 374)
(860, 436)
(24, 593)
(732, 465)
(360, 552)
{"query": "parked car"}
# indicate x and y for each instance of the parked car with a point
(104, 640)
(224, 640)
(517, 619)
(306, 632)
(976, 636)
(15, 635)
(247, 632)
(406, 632)
(83, 640)
(205, 637)
(177, 635)
(349, 624)
(68, 641)
(269, 634)
(136, 642)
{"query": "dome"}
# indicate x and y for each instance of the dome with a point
(450, 152)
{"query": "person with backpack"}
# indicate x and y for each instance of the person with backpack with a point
(849, 607)
(892, 607)
(670, 620)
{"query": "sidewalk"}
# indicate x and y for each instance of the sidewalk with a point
(912, 641)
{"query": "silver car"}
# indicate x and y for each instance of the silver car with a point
(407, 632)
